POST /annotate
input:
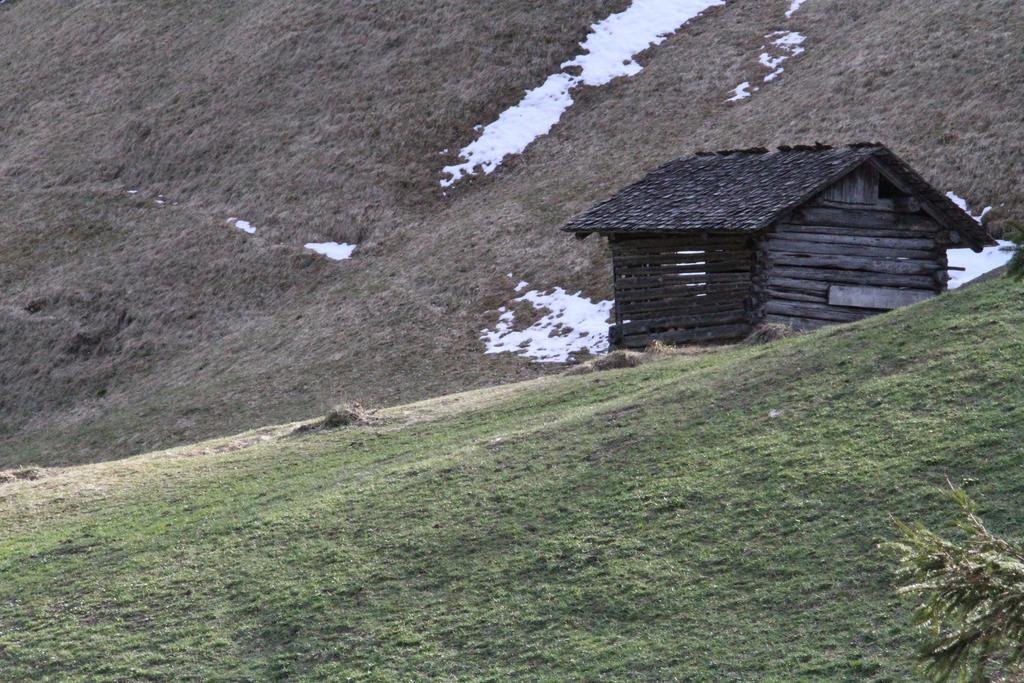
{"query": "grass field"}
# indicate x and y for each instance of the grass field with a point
(710, 517)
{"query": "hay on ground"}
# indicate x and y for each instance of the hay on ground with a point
(23, 474)
(769, 332)
(613, 361)
(347, 415)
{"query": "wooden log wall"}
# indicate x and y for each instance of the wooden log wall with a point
(681, 287)
(829, 255)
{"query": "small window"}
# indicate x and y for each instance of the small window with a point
(886, 190)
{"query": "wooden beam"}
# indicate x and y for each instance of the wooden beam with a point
(681, 293)
(801, 285)
(720, 257)
(681, 241)
(652, 279)
(817, 311)
(790, 295)
(907, 267)
(923, 243)
(856, 277)
(682, 322)
(898, 204)
(670, 269)
(811, 247)
(862, 218)
(664, 309)
(892, 231)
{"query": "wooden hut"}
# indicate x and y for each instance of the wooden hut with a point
(711, 245)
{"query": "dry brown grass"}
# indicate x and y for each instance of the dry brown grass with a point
(21, 474)
(127, 326)
(769, 332)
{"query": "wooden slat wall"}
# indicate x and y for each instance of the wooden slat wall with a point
(859, 187)
(681, 288)
(881, 246)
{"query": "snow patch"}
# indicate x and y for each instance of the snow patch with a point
(794, 7)
(742, 91)
(244, 226)
(962, 203)
(333, 250)
(573, 324)
(535, 115)
(976, 264)
(781, 46)
(608, 52)
(786, 44)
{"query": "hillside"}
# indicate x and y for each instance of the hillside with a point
(127, 324)
(704, 517)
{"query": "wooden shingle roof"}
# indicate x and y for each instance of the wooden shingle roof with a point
(748, 190)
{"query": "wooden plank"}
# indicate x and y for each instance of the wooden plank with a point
(907, 267)
(651, 280)
(681, 293)
(682, 240)
(719, 332)
(854, 277)
(720, 257)
(897, 232)
(669, 247)
(683, 297)
(882, 298)
(861, 218)
(860, 187)
(682, 322)
(686, 255)
(669, 269)
(817, 311)
(898, 204)
(922, 243)
(790, 295)
(681, 306)
(663, 250)
(801, 285)
(810, 247)
(665, 309)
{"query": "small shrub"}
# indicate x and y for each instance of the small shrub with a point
(1015, 268)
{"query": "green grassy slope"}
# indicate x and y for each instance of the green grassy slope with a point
(648, 523)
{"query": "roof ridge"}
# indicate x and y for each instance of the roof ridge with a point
(730, 152)
(816, 147)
